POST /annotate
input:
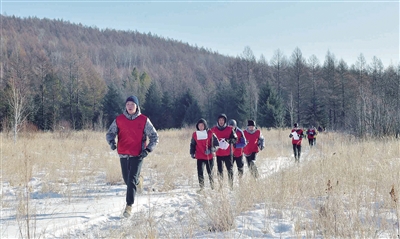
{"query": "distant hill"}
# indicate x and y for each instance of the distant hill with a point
(70, 74)
(165, 60)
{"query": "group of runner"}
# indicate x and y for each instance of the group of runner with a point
(229, 143)
(226, 140)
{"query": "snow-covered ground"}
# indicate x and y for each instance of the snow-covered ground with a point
(94, 210)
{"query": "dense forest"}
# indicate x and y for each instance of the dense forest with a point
(55, 74)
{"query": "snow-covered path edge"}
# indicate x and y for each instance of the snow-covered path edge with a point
(98, 212)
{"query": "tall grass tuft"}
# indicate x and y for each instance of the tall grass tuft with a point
(395, 199)
(338, 190)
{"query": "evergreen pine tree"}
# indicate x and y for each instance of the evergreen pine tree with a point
(4, 110)
(46, 100)
(38, 114)
(193, 114)
(113, 105)
(167, 112)
(240, 101)
(144, 85)
(264, 114)
(226, 101)
(152, 105)
(270, 107)
(187, 110)
(180, 106)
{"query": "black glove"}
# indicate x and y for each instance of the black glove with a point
(231, 141)
(192, 155)
(112, 145)
(144, 153)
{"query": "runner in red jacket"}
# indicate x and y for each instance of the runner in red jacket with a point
(226, 136)
(297, 135)
(132, 129)
(204, 142)
(238, 147)
(255, 143)
(312, 135)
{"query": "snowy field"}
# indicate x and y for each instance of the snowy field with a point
(98, 211)
(91, 207)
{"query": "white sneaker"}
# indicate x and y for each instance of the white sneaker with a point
(128, 210)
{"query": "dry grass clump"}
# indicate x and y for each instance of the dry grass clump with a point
(345, 185)
(219, 211)
(340, 188)
(57, 161)
(170, 164)
(277, 142)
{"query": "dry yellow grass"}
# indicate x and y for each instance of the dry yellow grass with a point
(349, 180)
(344, 184)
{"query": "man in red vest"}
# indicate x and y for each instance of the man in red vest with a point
(238, 147)
(312, 136)
(297, 135)
(132, 129)
(226, 136)
(202, 146)
(255, 143)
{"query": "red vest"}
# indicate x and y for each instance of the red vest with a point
(223, 134)
(202, 145)
(252, 139)
(311, 133)
(300, 133)
(130, 134)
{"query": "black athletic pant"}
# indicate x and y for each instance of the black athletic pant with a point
(209, 164)
(311, 142)
(227, 160)
(297, 151)
(251, 163)
(130, 168)
(239, 164)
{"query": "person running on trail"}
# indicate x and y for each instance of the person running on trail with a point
(255, 143)
(297, 135)
(226, 136)
(132, 129)
(238, 147)
(202, 146)
(312, 136)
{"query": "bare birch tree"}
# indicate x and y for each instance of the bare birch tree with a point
(363, 100)
(18, 105)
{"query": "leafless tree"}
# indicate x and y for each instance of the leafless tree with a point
(363, 99)
(279, 68)
(290, 108)
(314, 71)
(298, 67)
(331, 86)
(17, 102)
(250, 62)
(342, 72)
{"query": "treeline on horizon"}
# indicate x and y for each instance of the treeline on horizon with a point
(55, 74)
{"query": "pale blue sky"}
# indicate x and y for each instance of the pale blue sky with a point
(345, 28)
